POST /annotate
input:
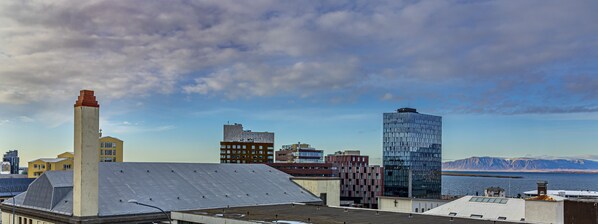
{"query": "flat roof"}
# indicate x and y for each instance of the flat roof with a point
(414, 199)
(566, 193)
(315, 178)
(321, 214)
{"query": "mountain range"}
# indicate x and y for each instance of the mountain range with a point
(520, 164)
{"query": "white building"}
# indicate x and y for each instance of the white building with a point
(408, 205)
(565, 193)
(486, 208)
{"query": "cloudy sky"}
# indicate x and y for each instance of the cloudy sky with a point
(510, 78)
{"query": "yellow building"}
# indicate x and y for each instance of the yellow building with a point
(111, 150)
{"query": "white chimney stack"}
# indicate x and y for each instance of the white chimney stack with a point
(85, 175)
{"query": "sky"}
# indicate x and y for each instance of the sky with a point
(509, 78)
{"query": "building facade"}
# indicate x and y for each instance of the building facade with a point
(246, 152)
(299, 153)
(307, 169)
(235, 133)
(245, 146)
(412, 154)
(110, 150)
(12, 157)
(360, 182)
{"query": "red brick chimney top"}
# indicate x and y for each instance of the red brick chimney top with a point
(87, 99)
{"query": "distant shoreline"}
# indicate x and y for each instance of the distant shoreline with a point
(452, 173)
(525, 171)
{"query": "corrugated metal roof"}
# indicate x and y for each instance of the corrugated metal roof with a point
(170, 186)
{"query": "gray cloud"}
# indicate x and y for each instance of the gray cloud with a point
(466, 56)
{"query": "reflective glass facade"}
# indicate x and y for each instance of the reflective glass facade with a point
(412, 154)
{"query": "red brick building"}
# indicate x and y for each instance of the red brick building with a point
(361, 183)
(307, 169)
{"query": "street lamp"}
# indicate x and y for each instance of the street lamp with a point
(151, 206)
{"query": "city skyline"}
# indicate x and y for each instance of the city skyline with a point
(510, 79)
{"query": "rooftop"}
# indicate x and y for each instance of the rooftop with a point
(486, 208)
(170, 186)
(566, 193)
(50, 160)
(321, 214)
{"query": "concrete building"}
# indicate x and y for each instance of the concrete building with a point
(110, 150)
(483, 208)
(299, 153)
(545, 209)
(245, 146)
(301, 214)
(307, 169)
(235, 133)
(12, 157)
(412, 154)
(327, 188)
(74, 196)
(360, 182)
(408, 205)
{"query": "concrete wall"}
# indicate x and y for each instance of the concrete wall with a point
(317, 186)
(7, 219)
(407, 205)
(85, 167)
(401, 205)
(193, 218)
(544, 212)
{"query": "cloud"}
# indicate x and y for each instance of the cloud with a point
(126, 127)
(301, 78)
(461, 56)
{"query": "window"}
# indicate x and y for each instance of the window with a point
(114, 152)
(502, 218)
(453, 214)
(66, 166)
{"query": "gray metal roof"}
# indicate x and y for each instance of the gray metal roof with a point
(50, 160)
(170, 186)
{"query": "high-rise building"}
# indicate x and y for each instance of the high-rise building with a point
(245, 146)
(12, 157)
(299, 153)
(360, 182)
(412, 154)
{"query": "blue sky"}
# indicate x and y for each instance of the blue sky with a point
(509, 78)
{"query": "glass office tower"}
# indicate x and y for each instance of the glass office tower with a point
(412, 154)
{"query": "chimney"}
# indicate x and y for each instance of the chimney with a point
(85, 170)
(542, 188)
